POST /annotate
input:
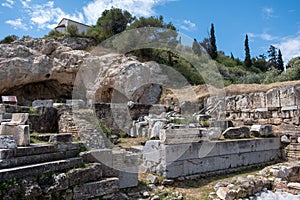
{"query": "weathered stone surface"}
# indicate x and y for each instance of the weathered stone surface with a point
(262, 130)
(156, 129)
(213, 133)
(242, 102)
(35, 169)
(294, 185)
(188, 107)
(60, 138)
(258, 99)
(19, 132)
(95, 189)
(152, 178)
(45, 120)
(126, 81)
(237, 132)
(48, 69)
(273, 98)
(92, 172)
(42, 103)
(285, 139)
(177, 136)
(289, 96)
(17, 119)
(222, 124)
(7, 142)
(151, 151)
(222, 192)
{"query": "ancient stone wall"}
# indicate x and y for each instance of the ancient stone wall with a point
(278, 107)
(184, 159)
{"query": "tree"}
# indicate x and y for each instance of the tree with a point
(9, 39)
(110, 23)
(272, 54)
(279, 63)
(212, 51)
(247, 61)
(196, 47)
(72, 30)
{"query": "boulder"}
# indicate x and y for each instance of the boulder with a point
(262, 130)
(7, 142)
(236, 132)
(222, 192)
(284, 139)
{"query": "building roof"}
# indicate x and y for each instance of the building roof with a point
(59, 25)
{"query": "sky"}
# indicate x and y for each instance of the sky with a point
(267, 22)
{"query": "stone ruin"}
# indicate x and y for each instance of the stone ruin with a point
(181, 145)
(56, 166)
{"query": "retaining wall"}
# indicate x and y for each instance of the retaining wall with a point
(180, 160)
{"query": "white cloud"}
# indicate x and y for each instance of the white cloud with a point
(290, 47)
(263, 36)
(47, 15)
(188, 25)
(268, 13)
(136, 7)
(8, 3)
(17, 24)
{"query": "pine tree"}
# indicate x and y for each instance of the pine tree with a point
(247, 61)
(196, 47)
(213, 47)
(279, 63)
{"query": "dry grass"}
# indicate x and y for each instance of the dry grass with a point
(202, 91)
(128, 142)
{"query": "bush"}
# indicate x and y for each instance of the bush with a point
(72, 30)
(9, 39)
(54, 34)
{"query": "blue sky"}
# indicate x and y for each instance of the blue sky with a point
(267, 22)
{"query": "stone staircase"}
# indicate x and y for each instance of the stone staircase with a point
(53, 170)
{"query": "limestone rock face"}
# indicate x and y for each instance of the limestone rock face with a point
(41, 68)
(115, 78)
(46, 69)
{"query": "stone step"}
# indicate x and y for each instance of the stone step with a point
(61, 137)
(96, 189)
(35, 169)
(39, 148)
(38, 153)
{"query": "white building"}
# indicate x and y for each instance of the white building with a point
(64, 23)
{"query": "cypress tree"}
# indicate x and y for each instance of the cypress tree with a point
(247, 61)
(279, 63)
(272, 57)
(213, 47)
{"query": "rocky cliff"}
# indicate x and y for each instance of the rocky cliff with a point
(46, 69)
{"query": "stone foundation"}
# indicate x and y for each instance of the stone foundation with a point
(180, 160)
